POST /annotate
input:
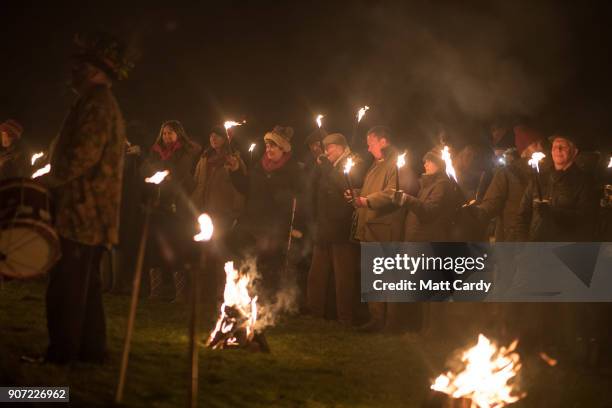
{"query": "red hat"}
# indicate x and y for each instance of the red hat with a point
(13, 128)
(524, 136)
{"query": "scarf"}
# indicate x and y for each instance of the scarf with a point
(166, 151)
(269, 166)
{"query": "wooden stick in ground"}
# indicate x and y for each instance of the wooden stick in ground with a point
(133, 304)
(192, 401)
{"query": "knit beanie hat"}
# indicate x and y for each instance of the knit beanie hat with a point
(317, 135)
(335, 138)
(524, 136)
(280, 136)
(13, 128)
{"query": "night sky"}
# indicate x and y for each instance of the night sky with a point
(418, 65)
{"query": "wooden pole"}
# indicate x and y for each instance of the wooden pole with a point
(134, 303)
(192, 401)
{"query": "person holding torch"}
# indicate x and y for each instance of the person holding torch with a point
(335, 258)
(565, 211)
(171, 218)
(379, 219)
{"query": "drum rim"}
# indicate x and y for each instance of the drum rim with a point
(44, 229)
(23, 182)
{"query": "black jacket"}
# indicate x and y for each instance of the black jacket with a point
(334, 216)
(430, 215)
(269, 199)
(570, 215)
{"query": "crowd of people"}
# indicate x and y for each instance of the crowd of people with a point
(290, 213)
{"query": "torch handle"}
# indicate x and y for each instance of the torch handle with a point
(350, 185)
(133, 304)
(538, 187)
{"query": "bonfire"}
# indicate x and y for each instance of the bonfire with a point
(236, 326)
(486, 377)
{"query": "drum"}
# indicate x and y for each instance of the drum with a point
(29, 246)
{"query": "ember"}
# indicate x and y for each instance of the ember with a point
(485, 377)
(235, 327)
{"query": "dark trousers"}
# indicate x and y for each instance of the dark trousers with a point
(75, 313)
(334, 265)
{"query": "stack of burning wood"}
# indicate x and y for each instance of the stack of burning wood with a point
(236, 326)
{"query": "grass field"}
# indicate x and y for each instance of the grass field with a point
(313, 363)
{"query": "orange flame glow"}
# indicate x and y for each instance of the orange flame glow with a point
(42, 171)
(236, 295)
(158, 177)
(401, 160)
(485, 377)
(610, 164)
(36, 156)
(535, 160)
(230, 124)
(319, 120)
(361, 113)
(206, 228)
(348, 165)
(252, 147)
(450, 170)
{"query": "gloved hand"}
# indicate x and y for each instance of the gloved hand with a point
(542, 207)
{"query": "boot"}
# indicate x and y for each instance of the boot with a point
(155, 283)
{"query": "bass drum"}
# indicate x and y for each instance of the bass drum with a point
(29, 246)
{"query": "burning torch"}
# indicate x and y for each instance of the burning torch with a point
(347, 170)
(251, 149)
(450, 170)
(205, 234)
(360, 114)
(534, 162)
(319, 120)
(41, 171)
(157, 178)
(228, 125)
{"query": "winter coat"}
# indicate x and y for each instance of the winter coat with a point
(503, 198)
(214, 192)
(333, 215)
(87, 169)
(172, 194)
(431, 212)
(383, 221)
(14, 162)
(572, 207)
(269, 200)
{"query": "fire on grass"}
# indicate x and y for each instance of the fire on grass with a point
(237, 323)
(486, 378)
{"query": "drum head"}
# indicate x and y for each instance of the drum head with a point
(27, 249)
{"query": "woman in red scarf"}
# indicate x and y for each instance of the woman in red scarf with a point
(172, 221)
(270, 188)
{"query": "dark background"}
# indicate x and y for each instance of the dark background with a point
(418, 65)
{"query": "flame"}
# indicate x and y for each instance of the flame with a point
(230, 124)
(401, 160)
(450, 170)
(236, 295)
(548, 359)
(36, 156)
(206, 228)
(348, 165)
(318, 120)
(535, 160)
(252, 147)
(361, 113)
(158, 177)
(42, 171)
(610, 164)
(485, 378)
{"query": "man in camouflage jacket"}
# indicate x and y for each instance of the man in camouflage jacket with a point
(86, 177)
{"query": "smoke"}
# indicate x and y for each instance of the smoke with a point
(271, 307)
